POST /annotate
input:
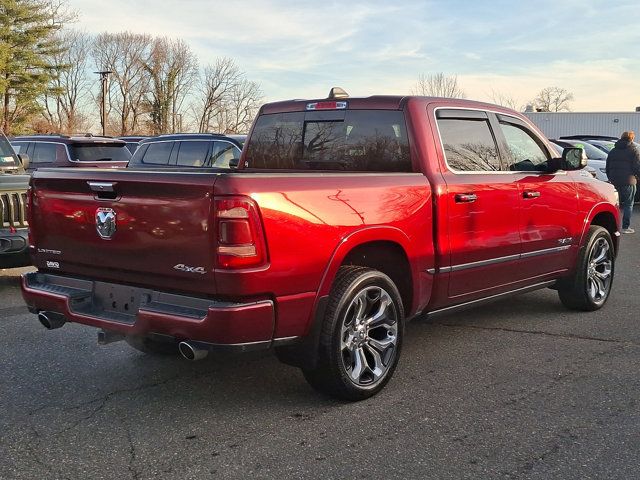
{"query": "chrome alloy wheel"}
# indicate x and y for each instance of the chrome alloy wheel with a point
(369, 336)
(599, 271)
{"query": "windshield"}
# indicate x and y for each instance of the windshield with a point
(99, 152)
(7, 155)
(351, 140)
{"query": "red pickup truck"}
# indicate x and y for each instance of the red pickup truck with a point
(345, 218)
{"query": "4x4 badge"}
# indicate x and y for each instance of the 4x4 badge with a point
(105, 222)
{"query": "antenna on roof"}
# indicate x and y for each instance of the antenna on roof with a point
(337, 92)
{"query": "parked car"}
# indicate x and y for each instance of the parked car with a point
(599, 149)
(187, 150)
(240, 138)
(603, 142)
(344, 218)
(72, 151)
(604, 145)
(13, 207)
(589, 137)
(596, 158)
(133, 141)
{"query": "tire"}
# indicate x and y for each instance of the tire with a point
(361, 336)
(152, 347)
(589, 287)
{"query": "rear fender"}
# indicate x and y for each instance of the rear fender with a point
(304, 353)
(361, 237)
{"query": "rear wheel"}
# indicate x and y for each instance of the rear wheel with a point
(361, 335)
(589, 287)
(152, 346)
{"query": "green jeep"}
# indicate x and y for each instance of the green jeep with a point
(13, 207)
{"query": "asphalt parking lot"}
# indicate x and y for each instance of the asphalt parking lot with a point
(519, 389)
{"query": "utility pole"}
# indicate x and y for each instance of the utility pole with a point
(104, 78)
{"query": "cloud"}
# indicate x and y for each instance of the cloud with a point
(301, 49)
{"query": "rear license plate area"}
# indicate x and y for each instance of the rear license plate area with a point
(119, 299)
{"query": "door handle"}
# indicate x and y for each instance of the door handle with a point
(466, 197)
(531, 194)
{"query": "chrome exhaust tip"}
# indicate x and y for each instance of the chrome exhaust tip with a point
(51, 320)
(191, 351)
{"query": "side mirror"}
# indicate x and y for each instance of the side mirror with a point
(573, 159)
(554, 164)
(24, 158)
(234, 162)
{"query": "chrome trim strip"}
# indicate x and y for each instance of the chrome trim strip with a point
(497, 296)
(101, 186)
(545, 251)
(235, 347)
(285, 340)
(508, 258)
(431, 271)
(482, 263)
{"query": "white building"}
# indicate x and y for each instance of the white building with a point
(558, 124)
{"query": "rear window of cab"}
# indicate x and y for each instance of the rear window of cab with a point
(348, 140)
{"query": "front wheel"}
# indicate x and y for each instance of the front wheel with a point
(589, 287)
(361, 335)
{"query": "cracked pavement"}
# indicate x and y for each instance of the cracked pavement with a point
(520, 389)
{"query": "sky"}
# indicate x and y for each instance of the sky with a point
(300, 49)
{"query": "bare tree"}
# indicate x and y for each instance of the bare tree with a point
(69, 91)
(438, 85)
(126, 55)
(172, 68)
(553, 99)
(240, 107)
(505, 100)
(216, 83)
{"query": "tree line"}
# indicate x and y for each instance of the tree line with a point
(549, 99)
(155, 84)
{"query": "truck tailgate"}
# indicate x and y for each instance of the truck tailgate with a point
(163, 234)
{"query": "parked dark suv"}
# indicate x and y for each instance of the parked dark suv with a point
(133, 141)
(187, 150)
(67, 151)
(13, 207)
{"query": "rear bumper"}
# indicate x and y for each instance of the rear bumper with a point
(138, 311)
(14, 250)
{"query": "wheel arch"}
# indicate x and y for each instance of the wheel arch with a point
(603, 215)
(386, 249)
(366, 247)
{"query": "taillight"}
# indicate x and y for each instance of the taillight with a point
(240, 238)
(29, 208)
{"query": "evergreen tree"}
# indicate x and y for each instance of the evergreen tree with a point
(27, 42)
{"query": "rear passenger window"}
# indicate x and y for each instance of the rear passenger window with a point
(192, 153)
(19, 147)
(44, 153)
(223, 153)
(526, 154)
(469, 145)
(61, 154)
(158, 153)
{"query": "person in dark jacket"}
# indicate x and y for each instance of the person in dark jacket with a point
(623, 166)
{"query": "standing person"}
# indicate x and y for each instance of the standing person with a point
(623, 166)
